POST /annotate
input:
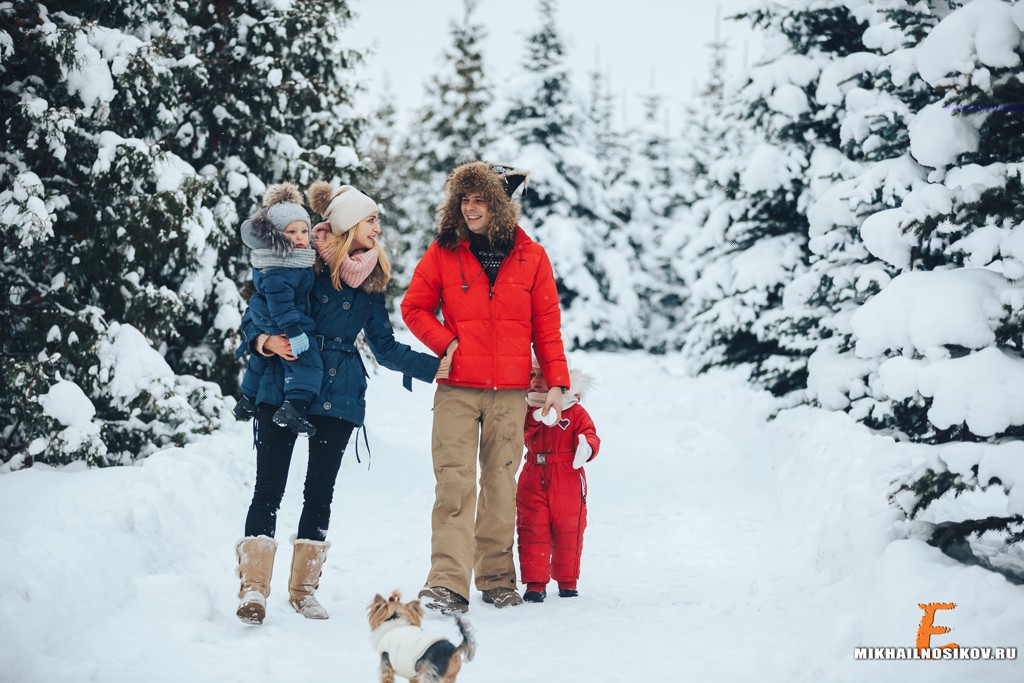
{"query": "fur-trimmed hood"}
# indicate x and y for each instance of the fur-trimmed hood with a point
(480, 177)
(259, 232)
(579, 384)
(263, 230)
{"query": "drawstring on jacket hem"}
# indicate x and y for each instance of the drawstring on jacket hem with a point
(367, 442)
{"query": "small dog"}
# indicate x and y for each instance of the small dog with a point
(405, 648)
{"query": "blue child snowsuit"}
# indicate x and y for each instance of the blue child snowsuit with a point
(282, 278)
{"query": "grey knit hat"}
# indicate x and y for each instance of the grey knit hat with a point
(282, 206)
(286, 213)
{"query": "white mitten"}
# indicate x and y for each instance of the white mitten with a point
(583, 453)
(548, 419)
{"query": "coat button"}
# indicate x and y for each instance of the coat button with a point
(337, 340)
(324, 298)
(332, 372)
(346, 305)
(327, 406)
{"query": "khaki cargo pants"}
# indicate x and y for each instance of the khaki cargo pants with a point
(469, 534)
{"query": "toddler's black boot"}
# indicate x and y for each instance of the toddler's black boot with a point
(244, 409)
(293, 416)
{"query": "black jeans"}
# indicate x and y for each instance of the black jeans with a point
(273, 456)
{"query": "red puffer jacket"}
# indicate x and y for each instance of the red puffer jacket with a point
(494, 325)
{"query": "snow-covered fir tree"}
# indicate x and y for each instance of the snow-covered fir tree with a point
(137, 136)
(894, 159)
(602, 135)
(708, 143)
(757, 242)
(388, 160)
(565, 205)
(660, 169)
(455, 125)
(704, 135)
(854, 189)
(935, 320)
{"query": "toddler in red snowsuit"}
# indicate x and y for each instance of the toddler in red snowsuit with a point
(551, 500)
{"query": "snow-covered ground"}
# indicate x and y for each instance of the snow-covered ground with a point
(722, 547)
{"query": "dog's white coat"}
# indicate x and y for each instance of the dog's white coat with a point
(404, 643)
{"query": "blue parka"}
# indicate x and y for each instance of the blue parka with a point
(338, 317)
(281, 302)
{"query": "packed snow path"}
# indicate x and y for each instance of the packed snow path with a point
(722, 546)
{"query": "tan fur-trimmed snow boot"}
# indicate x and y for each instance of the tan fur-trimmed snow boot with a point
(255, 567)
(308, 560)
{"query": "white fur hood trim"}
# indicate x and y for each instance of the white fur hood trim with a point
(579, 383)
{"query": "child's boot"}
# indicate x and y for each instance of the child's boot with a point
(245, 408)
(292, 415)
(535, 592)
(567, 590)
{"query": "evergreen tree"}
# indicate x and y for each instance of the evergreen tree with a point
(760, 245)
(912, 208)
(705, 134)
(453, 126)
(654, 185)
(869, 174)
(603, 137)
(708, 145)
(138, 134)
(388, 163)
(951, 222)
(565, 204)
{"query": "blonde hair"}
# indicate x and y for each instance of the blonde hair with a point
(341, 247)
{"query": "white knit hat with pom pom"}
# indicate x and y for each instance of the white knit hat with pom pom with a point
(343, 208)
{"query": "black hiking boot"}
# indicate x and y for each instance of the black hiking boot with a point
(568, 593)
(289, 416)
(535, 596)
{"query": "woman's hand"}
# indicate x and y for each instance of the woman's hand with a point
(445, 368)
(278, 345)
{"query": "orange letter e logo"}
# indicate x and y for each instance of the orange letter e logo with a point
(927, 628)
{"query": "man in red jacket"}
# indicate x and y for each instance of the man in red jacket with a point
(497, 295)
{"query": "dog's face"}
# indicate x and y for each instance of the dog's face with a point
(382, 610)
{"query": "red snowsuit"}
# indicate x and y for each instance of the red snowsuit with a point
(551, 500)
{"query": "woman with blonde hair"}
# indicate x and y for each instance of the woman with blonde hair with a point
(347, 298)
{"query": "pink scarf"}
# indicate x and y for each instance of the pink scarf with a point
(356, 268)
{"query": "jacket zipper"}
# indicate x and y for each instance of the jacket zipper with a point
(490, 303)
(494, 331)
(494, 320)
